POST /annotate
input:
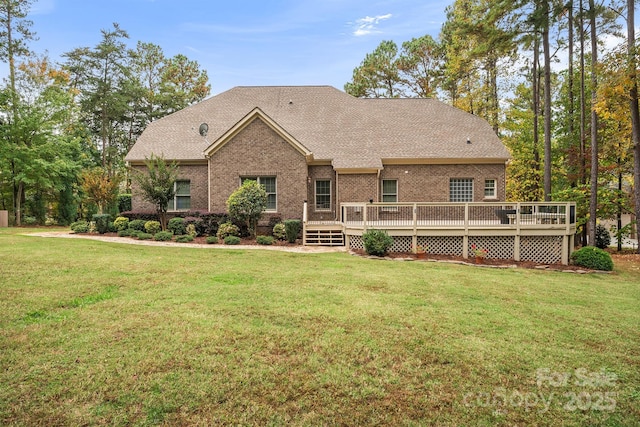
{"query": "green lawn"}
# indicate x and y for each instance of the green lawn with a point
(93, 333)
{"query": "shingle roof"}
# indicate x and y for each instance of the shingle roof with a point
(353, 133)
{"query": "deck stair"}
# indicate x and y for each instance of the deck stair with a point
(323, 234)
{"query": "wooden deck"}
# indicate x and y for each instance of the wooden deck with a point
(516, 231)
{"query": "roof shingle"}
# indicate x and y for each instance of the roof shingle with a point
(353, 133)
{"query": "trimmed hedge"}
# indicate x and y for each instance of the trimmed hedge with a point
(593, 258)
(212, 240)
(144, 236)
(232, 240)
(137, 224)
(377, 242)
(264, 240)
(162, 236)
(121, 223)
(227, 229)
(102, 222)
(279, 231)
(176, 226)
(205, 222)
(292, 229)
(152, 227)
(80, 227)
(186, 238)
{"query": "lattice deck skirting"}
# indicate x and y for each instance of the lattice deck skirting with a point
(541, 249)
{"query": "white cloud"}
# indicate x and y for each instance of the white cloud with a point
(43, 7)
(368, 24)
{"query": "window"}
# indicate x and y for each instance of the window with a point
(461, 190)
(490, 188)
(390, 190)
(269, 184)
(182, 198)
(323, 195)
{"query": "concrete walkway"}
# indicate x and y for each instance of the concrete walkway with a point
(129, 241)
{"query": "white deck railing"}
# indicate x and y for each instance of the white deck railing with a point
(544, 215)
(540, 231)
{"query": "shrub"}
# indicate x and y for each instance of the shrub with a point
(29, 220)
(603, 238)
(184, 238)
(198, 226)
(232, 240)
(273, 220)
(152, 227)
(176, 226)
(593, 258)
(211, 240)
(247, 204)
(124, 233)
(264, 240)
(134, 233)
(124, 202)
(102, 222)
(279, 231)
(121, 223)
(227, 229)
(80, 227)
(143, 215)
(162, 236)
(377, 242)
(137, 224)
(144, 236)
(292, 229)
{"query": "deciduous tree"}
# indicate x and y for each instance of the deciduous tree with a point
(156, 184)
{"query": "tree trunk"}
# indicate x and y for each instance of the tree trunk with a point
(593, 201)
(536, 107)
(570, 125)
(583, 115)
(547, 103)
(19, 192)
(635, 113)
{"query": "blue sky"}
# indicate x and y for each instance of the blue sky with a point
(281, 42)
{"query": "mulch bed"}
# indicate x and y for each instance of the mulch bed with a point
(626, 256)
(486, 262)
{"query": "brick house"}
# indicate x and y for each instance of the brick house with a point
(321, 145)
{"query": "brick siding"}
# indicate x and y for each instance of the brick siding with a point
(195, 174)
(430, 183)
(259, 151)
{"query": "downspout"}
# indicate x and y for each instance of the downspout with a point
(377, 198)
(208, 183)
(338, 216)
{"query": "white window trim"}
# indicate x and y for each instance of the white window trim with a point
(315, 196)
(382, 193)
(257, 179)
(176, 195)
(495, 189)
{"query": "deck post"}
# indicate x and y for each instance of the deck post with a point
(516, 247)
(304, 223)
(565, 250)
(365, 208)
(465, 246)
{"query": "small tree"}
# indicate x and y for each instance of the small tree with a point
(156, 184)
(99, 187)
(247, 203)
